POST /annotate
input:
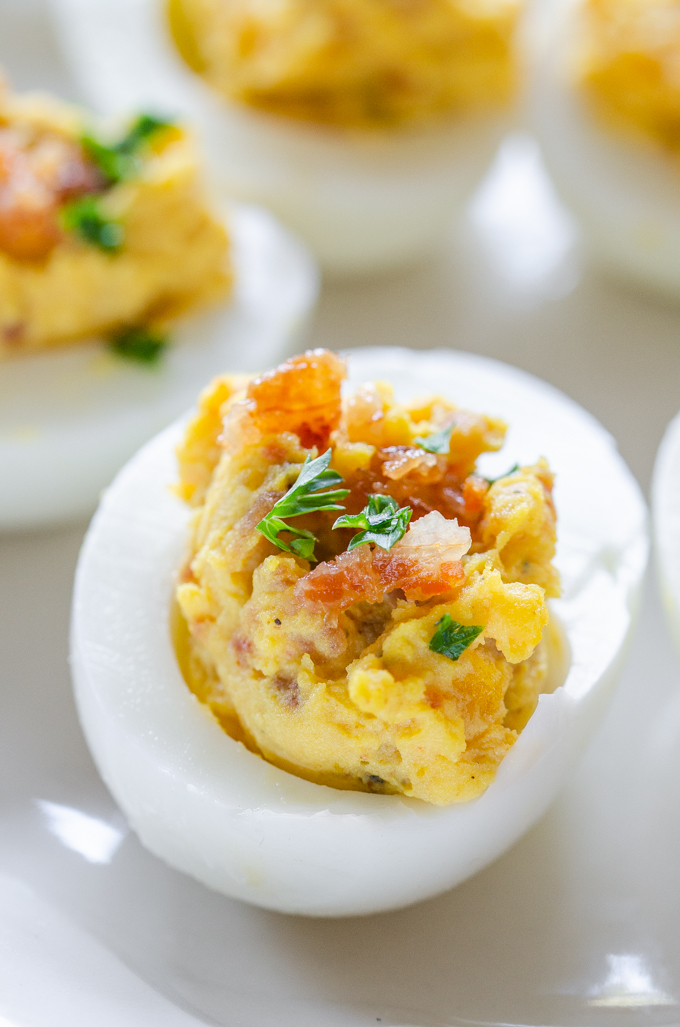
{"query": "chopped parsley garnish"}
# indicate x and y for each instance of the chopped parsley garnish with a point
(117, 163)
(451, 638)
(115, 166)
(438, 442)
(141, 131)
(382, 520)
(120, 161)
(84, 218)
(139, 343)
(303, 497)
(492, 481)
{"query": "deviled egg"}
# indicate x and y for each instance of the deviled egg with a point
(104, 242)
(603, 102)
(353, 709)
(99, 237)
(364, 125)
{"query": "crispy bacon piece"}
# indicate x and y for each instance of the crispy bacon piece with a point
(398, 461)
(424, 490)
(36, 177)
(426, 562)
(301, 396)
(364, 414)
(349, 578)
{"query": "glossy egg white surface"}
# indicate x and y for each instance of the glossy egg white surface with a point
(70, 418)
(362, 201)
(666, 513)
(625, 194)
(207, 806)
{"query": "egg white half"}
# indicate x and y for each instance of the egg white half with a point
(666, 512)
(362, 201)
(70, 418)
(625, 194)
(211, 808)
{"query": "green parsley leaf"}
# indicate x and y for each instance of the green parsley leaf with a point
(384, 522)
(139, 343)
(84, 218)
(438, 442)
(303, 497)
(451, 638)
(114, 165)
(141, 131)
(121, 161)
(492, 481)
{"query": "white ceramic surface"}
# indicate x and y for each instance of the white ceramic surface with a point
(626, 195)
(210, 807)
(666, 512)
(362, 201)
(69, 419)
(575, 926)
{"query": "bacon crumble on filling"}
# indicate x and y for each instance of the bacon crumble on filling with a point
(425, 562)
(328, 666)
(39, 172)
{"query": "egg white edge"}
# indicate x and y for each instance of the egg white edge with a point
(55, 471)
(269, 837)
(666, 518)
(625, 194)
(362, 201)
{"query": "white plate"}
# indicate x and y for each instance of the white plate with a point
(576, 926)
(70, 418)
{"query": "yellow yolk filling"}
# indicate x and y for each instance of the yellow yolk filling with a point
(364, 63)
(629, 66)
(357, 699)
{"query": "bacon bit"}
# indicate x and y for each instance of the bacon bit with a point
(434, 539)
(364, 414)
(36, 177)
(398, 461)
(13, 334)
(336, 585)
(186, 575)
(426, 562)
(434, 697)
(243, 537)
(424, 490)
(243, 649)
(301, 396)
(417, 581)
(289, 690)
(474, 493)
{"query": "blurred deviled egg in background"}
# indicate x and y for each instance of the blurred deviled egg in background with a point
(364, 124)
(605, 104)
(107, 238)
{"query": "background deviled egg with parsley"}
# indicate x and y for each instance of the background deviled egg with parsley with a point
(603, 101)
(104, 243)
(365, 126)
(207, 805)
(111, 238)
